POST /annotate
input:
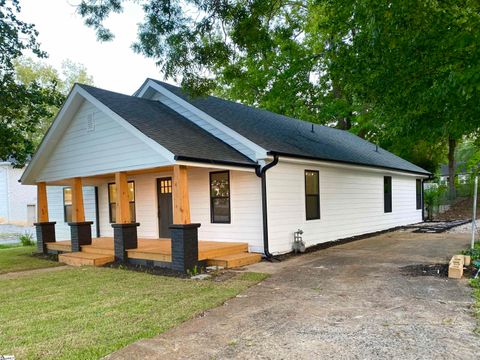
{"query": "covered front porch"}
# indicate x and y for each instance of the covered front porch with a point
(179, 247)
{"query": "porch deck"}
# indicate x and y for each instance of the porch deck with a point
(227, 254)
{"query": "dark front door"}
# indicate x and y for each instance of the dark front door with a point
(165, 212)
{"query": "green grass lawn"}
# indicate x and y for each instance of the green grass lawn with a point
(20, 258)
(86, 313)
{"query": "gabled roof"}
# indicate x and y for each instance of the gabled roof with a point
(292, 137)
(177, 134)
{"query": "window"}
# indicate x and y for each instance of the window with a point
(112, 201)
(67, 204)
(387, 194)
(312, 194)
(220, 197)
(419, 194)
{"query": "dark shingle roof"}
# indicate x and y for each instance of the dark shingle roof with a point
(171, 130)
(460, 168)
(288, 136)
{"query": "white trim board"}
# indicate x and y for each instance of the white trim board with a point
(335, 164)
(74, 100)
(258, 151)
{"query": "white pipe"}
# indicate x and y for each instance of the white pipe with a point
(474, 217)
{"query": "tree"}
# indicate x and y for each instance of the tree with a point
(21, 106)
(29, 72)
(413, 62)
(402, 74)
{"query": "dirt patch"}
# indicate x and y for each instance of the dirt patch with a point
(153, 270)
(51, 257)
(461, 209)
(223, 276)
(439, 270)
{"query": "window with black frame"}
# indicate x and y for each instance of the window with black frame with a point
(67, 204)
(419, 193)
(112, 201)
(387, 194)
(312, 194)
(220, 197)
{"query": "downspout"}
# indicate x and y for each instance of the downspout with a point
(261, 173)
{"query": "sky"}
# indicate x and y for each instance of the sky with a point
(62, 34)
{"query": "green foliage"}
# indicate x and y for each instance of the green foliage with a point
(22, 106)
(432, 198)
(402, 74)
(474, 253)
(26, 239)
(30, 72)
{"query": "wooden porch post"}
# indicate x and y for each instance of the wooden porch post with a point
(45, 230)
(42, 203)
(124, 231)
(80, 230)
(181, 203)
(78, 211)
(184, 234)
(122, 203)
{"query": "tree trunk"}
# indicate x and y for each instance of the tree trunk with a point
(452, 144)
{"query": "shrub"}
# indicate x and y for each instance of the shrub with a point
(433, 196)
(27, 239)
(474, 253)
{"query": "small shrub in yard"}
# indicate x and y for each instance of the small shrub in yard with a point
(433, 198)
(27, 239)
(474, 253)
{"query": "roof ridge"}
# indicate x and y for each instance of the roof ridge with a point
(84, 86)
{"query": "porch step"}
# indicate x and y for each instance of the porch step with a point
(235, 260)
(149, 254)
(82, 258)
(93, 249)
(62, 246)
(213, 250)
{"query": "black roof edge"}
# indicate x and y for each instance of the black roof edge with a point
(214, 162)
(348, 163)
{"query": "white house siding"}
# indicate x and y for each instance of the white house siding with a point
(56, 210)
(351, 204)
(245, 205)
(246, 216)
(3, 194)
(108, 148)
(14, 197)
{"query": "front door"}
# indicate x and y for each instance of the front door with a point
(165, 210)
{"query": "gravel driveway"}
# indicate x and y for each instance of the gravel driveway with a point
(347, 302)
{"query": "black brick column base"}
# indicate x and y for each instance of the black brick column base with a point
(45, 234)
(81, 234)
(124, 238)
(184, 246)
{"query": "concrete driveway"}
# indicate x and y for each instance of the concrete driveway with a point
(347, 302)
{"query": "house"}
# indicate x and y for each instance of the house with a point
(17, 202)
(219, 171)
(461, 173)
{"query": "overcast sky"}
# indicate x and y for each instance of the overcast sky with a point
(113, 65)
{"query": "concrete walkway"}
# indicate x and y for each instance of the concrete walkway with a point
(346, 302)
